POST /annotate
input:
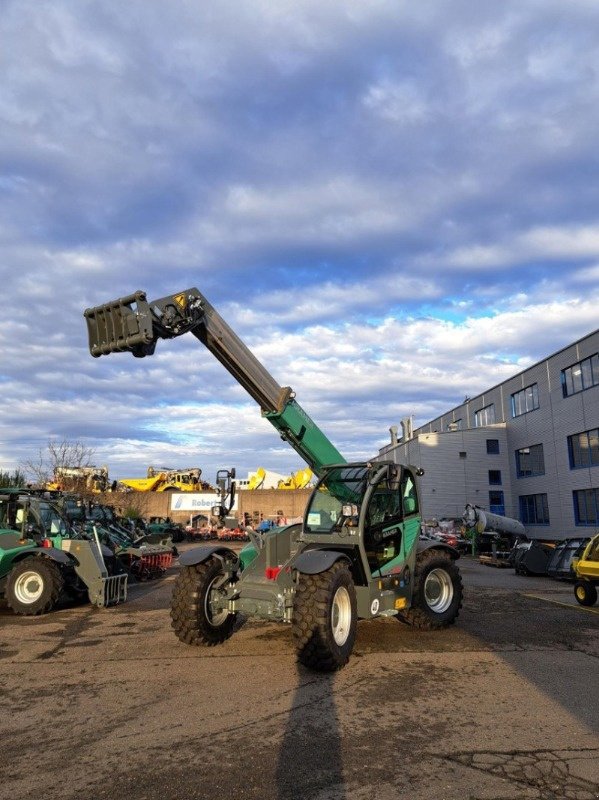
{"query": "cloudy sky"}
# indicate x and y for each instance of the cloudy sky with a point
(395, 204)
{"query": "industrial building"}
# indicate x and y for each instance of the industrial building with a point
(527, 448)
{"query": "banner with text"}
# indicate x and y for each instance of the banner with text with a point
(190, 501)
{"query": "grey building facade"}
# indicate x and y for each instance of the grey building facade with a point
(527, 448)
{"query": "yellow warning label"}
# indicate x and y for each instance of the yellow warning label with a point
(180, 300)
(400, 603)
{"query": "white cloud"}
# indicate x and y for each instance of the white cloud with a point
(394, 205)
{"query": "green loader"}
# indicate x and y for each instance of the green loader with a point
(42, 558)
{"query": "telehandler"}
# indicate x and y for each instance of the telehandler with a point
(357, 553)
(42, 557)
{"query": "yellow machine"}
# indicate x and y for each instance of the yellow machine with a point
(257, 480)
(297, 480)
(587, 574)
(265, 479)
(168, 480)
(91, 479)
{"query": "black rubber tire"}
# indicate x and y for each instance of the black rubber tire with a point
(49, 576)
(313, 609)
(190, 616)
(421, 615)
(585, 592)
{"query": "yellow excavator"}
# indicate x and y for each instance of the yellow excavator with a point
(257, 479)
(90, 479)
(297, 480)
(168, 480)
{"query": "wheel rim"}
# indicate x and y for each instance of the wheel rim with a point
(341, 616)
(580, 592)
(29, 587)
(214, 613)
(438, 590)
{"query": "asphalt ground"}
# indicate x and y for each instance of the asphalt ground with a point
(109, 704)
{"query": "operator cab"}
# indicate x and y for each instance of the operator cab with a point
(340, 490)
(378, 501)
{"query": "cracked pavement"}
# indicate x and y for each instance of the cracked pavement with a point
(502, 706)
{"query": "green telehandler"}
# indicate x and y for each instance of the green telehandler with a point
(42, 557)
(357, 553)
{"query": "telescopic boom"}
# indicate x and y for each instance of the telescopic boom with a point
(133, 324)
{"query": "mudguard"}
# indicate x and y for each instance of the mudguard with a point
(428, 545)
(200, 554)
(45, 552)
(312, 562)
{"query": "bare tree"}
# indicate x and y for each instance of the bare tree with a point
(16, 478)
(56, 456)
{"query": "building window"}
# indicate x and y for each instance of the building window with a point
(580, 376)
(495, 477)
(530, 461)
(463, 454)
(455, 425)
(484, 416)
(586, 506)
(583, 449)
(525, 400)
(496, 503)
(493, 446)
(534, 509)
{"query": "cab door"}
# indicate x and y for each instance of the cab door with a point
(383, 524)
(392, 522)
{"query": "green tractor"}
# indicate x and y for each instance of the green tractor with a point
(163, 527)
(42, 558)
(357, 553)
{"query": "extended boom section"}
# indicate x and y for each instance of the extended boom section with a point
(133, 324)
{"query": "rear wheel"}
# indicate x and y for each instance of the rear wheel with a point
(437, 593)
(325, 618)
(34, 586)
(199, 613)
(586, 593)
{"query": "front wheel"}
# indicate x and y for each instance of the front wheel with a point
(325, 618)
(437, 592)
(585, 593)
(34, 586)
(199, 613)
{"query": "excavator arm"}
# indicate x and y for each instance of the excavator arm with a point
(133, 324)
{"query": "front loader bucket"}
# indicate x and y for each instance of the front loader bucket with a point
(124, 325)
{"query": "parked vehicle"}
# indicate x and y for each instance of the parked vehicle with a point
(560, 564)
(42, 557)
(587, 574)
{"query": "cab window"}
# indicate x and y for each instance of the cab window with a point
(409, 494)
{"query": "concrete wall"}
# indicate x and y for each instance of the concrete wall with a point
(259, 503)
